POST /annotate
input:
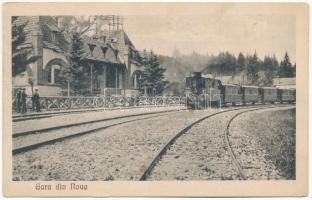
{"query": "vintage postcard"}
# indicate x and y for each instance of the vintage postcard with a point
(155, 99)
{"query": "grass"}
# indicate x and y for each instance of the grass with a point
(275, 131)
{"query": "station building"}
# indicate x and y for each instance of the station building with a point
(111, 57)
(285, 83)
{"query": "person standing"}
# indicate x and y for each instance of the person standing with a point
(18, 100)
(36, 101)
(23, 100)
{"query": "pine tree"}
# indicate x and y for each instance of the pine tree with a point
(286, 69)
(153, 76)
(269, 66)
(241, 61)
(21, 56)
(75, 72)
(253, 69)
(231, 66)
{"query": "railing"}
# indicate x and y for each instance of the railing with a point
(68, 103)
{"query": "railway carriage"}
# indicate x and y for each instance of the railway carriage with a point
(250, 94)
(232, 94)
(268, 94)
(286, 95)
(203, 91)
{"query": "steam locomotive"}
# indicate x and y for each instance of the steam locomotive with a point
(202, 92)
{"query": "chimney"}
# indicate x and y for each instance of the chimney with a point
(60, 23)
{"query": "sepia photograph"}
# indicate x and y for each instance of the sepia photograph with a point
(154, 97)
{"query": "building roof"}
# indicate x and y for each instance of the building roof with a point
(208, 76)
(116, 45)
(121, 37)
(291, 87)
(269, 88)
(122, 42)
(249, 86)
(52, 46)
(97, 50)
(284, 81)
(116, 41)
(238, 79)
(43, 25)
(231, 85)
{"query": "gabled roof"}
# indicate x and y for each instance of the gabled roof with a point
(121, 35)
(49, 22)
(98, 51)
(124, 44)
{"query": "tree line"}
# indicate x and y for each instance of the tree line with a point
(258, 71)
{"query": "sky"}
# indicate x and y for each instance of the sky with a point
(265, 34)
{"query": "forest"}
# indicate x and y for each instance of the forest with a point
(256, 70)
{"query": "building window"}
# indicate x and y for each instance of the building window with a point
(53, 37)
(104, 50)
(54, 74)
(116, 53)
(57, 75)
(91, 47)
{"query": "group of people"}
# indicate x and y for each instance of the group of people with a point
(21, 96)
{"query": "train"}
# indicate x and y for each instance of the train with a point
(203, 92)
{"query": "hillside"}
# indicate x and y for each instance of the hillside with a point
(175, 70)
(175, 73)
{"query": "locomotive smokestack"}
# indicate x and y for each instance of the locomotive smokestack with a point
(197, 74)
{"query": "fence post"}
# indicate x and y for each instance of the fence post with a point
(59, 103)
(47, 103)
(68, 88)
(70, 103)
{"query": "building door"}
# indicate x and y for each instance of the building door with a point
(112, 77)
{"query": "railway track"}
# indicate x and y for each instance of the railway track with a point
(43, 139)
(49, 128)
(164, 150)
(38, 116)
(229, 147)
(29, 140)
(32, 116)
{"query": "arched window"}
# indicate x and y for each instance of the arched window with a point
(53, 71)
(54, 74)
